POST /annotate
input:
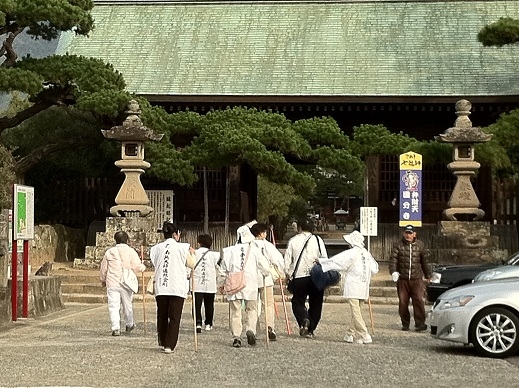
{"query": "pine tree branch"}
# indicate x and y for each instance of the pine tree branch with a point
(50, 96)
(37, 155)
(10, 122)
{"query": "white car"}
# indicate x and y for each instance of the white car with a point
(485, 314)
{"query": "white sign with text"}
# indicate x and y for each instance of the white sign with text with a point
(368, 221)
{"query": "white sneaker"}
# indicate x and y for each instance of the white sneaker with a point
(167, 350)
(365, 340)
(208, 328)
(348, 338)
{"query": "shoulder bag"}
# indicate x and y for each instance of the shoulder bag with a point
(323, 280)
(199, 260)
(150, 286)
(129, 278)
(235, 281)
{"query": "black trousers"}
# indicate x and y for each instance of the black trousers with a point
(169, 313)
(208, 300)
(303, 288)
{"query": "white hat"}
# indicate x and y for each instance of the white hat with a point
(244, 234)
(355, 239)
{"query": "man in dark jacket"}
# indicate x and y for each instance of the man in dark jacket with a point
(408, 267)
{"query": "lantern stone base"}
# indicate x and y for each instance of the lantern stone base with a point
(454, 213)
(121, 210)
(466, 242)
(142, 232)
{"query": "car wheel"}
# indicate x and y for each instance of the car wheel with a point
(494, 332)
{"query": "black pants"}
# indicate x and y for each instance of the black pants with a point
(303, 288)
(208, 300)
(169, 313)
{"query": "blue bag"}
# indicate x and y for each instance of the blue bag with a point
(323, 280)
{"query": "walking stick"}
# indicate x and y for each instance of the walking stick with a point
(276, 311)
(143, 302)
(284, 305)
(143, 292)
(266, 312)
(193, 307)
(371, 317)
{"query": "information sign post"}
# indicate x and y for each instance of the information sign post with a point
(23, 229)
(368, 222)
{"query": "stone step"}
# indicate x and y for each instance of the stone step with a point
(83, 286)
(90, 278)
(96, 289)
(90, 295)
(101, 299)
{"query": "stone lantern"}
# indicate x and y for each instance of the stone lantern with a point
(341, 216)
(463, 136)
(132, 199)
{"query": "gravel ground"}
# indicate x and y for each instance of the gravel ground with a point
(74, 347)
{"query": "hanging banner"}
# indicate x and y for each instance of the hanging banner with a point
(23, 217)
(410, 189)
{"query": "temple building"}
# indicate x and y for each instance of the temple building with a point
(403, 64)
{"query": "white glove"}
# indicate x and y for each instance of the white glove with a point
(395, 276)
(142, 268)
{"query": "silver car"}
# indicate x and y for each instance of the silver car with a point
(501, 272)
(484, 314)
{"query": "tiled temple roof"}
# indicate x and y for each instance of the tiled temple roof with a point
(303, 48)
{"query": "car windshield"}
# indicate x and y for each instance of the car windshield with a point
(513, 260)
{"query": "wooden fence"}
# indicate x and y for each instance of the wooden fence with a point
(191, 230)
(387, 234)
(78, 203)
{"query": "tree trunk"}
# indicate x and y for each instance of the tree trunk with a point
(206, 202)
(227, 199)
(7, 49)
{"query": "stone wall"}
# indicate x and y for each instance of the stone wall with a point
(55, 243)
(44, 298)
(4, 247)
(51, 243)
(5, 306)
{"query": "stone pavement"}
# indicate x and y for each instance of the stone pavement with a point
(74, 347)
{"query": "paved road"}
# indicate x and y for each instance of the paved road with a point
(74, 347)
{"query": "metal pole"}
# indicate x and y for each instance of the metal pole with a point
(14, 279)
(25, 280)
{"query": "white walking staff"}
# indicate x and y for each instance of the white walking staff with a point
(266, 312)
(143, 291)
(193, 308)
(371, 317)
